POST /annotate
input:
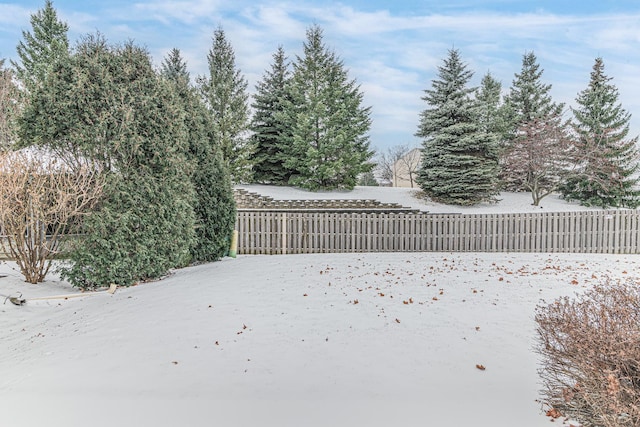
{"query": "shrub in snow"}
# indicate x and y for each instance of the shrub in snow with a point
(591, 355)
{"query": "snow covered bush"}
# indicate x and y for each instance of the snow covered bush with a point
(590, 348)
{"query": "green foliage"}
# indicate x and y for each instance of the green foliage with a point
(174, 69)
(107, 105)
(214, 205)
(529, 98)
(225, 93)
(459, 158)
(268, 124)
(328, 146)
(493, 114)
(368, 179)
(528, 101)
(41, 49)
(606, 158)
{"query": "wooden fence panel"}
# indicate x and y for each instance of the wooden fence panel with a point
(266, 232)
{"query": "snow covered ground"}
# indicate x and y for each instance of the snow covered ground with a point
(297, 340)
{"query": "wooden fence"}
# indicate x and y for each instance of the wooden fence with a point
(293, 232)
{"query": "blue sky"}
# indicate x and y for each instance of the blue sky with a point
(392, 48)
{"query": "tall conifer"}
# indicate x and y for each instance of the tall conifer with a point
(224, 90)
(606, 158)
(214, 205)
(528, 101)
(459, 158)
(268, 125)
(329, 143)
(41, 49)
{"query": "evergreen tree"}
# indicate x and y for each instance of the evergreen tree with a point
(527, 102)
(268, 125)
(174, 69)
(41, 49)
(328, 146)
(108, 106)
(459, 158)
(606, 158)
(225, 93)
(493, 113)
(214, 205)
(529, 98)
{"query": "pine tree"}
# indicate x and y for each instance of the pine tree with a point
(214, 205)
(493, 113)
(174, 68)
(606, 158)
(268, 125)
(459, 159)
(328, 146)
(225, 93)
(40, 50)
(529, 98)
(528, 101)
(107, 105)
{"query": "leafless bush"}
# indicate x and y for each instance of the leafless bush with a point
(590, 348)
(40, 201)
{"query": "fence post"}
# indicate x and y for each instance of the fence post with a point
(284, 233)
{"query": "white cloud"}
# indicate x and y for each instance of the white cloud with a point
(165, 11)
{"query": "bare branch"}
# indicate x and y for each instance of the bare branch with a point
(41, 200)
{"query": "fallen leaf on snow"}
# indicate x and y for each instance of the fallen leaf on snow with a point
(481, 367)
(553, 413)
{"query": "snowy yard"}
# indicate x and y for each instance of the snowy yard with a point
(297, 340)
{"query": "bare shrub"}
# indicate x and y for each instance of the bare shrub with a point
(40, 202)
(590, 348)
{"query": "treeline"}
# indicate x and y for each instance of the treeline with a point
(169, 148)
(477, 142)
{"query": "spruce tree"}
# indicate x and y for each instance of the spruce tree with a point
(225, 93)
(328, 146)
(493, 113)
(214, 205)
(268, 125)
(459, 158)
(41, 49)
(606, 158)
(174, 69)
(529, 97)
(527, 102)
(107, 105)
